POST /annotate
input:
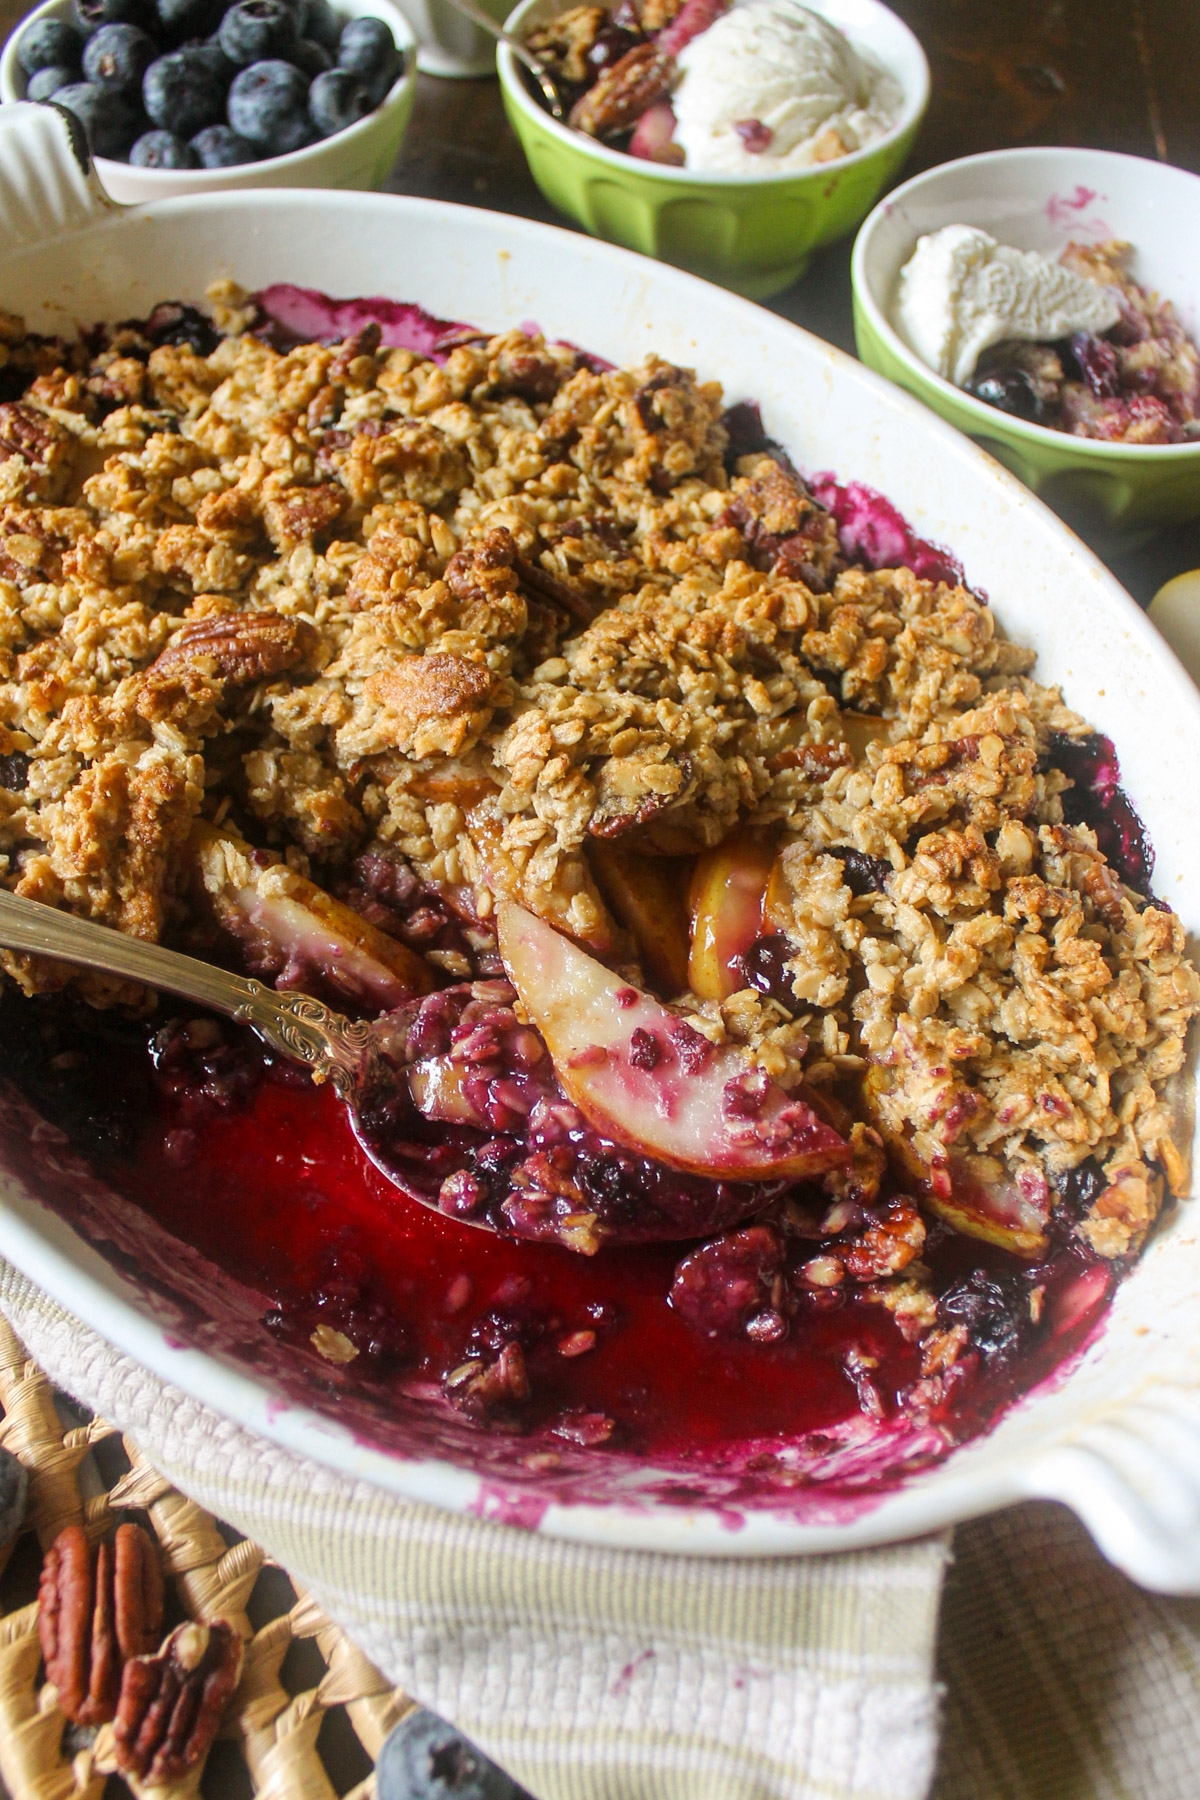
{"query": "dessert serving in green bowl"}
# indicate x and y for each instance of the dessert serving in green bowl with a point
(1112, 441)
(748, 221)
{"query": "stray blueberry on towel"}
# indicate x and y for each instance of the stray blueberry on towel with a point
(426, 1759)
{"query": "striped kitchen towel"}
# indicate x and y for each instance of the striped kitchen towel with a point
(590, 1674)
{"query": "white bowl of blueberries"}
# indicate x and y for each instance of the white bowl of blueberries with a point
(180, 96)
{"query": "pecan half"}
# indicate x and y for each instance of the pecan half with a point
(29, 434)
(244, 647)
(94, 1612)
(622, 94)
(559, 593)
(171, 1705)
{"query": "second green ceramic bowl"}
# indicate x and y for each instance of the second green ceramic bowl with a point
(754, 234)
(1041, 199)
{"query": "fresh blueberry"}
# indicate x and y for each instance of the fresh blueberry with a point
(268, 106)
(117, 56)
(162, 150)
(110, 122)
(211, 54)
(258, 31)
(337, 99)
(322, 24)
(181, 93)
(14, 1491)
(180, 19)
(220, 147)
(47, 44)
(48, 81)
(426, 1759)
(91, 14)
(308, 56)
(368, 50)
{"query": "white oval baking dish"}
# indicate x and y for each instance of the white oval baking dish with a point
(1118, 1438)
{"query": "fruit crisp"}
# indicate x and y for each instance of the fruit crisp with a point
(415, 678)
(1138, 383)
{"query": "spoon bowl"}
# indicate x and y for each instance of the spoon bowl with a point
(429, 1123)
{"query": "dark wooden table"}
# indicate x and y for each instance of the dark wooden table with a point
(1113, 74)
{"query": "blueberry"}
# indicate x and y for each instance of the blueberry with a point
(220, 147)
(994, 1309)
(181, 93)
(162, 150)
(368, 50)
(258, 31)
(336, 100)
(215, 58)
(179, 19)
(268, 105)
(1009, 390)
(322, 24)
(91, 14)
(110, 122)
(49, 43)
(48, 81)
(14, 1491)
(426, 1759)
(309, 58)
(117, 56)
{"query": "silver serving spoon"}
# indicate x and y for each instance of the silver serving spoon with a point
(541, 74)
(363, 1061)
(342, 1051)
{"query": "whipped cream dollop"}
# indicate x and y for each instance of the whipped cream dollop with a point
(960, 292)
(771, 86)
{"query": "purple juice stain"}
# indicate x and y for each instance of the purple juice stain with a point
(295, 315)
(874, 533)
(1098, 801)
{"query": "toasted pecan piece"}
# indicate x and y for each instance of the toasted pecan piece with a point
(30, 434)
(623, 92)
(243, 646)
(299, 514)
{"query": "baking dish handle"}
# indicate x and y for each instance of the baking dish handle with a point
(47, 184)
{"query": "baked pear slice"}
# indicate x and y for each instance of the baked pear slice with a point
(291, 925)
(647, 1079)
(976, 1195)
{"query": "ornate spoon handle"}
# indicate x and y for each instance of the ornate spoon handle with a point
(334, 1047)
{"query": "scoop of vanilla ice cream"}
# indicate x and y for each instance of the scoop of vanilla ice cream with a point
(960, 292)
(774, 64)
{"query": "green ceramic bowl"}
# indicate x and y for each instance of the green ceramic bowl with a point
(753, 235)
(1040, 199)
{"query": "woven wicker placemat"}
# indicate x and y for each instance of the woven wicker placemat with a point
(310, 1713)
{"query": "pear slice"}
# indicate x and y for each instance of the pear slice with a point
(647, 895)
(726, 896)
(647, 1079)
(977, 1196)
(284, 916)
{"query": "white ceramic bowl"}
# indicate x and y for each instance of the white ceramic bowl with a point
(1118, 1436)
(362, 156)
(1041, 199)
(448, 43)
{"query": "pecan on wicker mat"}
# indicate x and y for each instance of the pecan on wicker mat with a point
(172, 1704)
(95, 1611)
